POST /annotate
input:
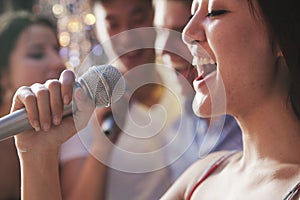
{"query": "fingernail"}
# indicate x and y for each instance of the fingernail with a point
(36, 126)
(46, 126)
(56, 119)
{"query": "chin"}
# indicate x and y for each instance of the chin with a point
(206, 107)
(202, 105)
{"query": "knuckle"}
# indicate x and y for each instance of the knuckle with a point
(52, 84)
(22, 90)
(42, 92)
(29, 98)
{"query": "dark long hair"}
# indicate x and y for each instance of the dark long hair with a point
(12, 24)
(283, 18)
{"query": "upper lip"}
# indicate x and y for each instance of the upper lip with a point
(202, 60)
(198, 51)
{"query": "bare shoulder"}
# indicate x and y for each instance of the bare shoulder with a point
(180, 189)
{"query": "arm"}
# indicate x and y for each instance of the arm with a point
(39, 176)
(38, 150)
(90, 183)
(85, 177)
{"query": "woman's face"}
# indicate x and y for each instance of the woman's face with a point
(35, 57)
(239, 44)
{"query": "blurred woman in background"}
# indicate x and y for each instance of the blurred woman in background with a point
(29, 52)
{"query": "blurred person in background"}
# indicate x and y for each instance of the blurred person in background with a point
(29, 54)
(125, 29)
(192, 135)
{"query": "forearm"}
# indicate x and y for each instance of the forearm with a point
(40, 176)
(91, 182)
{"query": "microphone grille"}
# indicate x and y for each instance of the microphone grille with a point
(104, 83)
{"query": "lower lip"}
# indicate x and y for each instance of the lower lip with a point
(201, 81)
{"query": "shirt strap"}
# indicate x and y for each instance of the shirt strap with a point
(209, 171)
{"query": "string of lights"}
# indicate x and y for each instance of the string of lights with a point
(76, 24)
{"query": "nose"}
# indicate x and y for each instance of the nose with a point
(125, 38)
(194, 31)
(56, 63)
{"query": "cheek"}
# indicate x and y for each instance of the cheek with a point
(28, 72)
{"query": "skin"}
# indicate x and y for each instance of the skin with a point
(174, 15)
(114, 18)
(37, 54)
(118, 16)
(268, 167)
(34, 59)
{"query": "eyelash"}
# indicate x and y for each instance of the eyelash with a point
(216, 13)
(37, 56)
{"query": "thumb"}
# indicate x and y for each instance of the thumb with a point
(84, 108)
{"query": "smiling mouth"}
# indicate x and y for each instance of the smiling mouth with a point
(204, 66)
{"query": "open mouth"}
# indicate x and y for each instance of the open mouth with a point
(204, 66)
(202, 60)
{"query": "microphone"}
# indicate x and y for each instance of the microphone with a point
(99, 83)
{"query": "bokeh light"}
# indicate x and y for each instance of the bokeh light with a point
(89, 19)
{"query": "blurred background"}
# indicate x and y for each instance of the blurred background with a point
(75, 23)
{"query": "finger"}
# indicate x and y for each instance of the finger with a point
(56, 101)
(85, 108)
(24, 97)
(67, 79)
(43, 102)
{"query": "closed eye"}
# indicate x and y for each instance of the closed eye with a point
(216, 13)
(36, 56)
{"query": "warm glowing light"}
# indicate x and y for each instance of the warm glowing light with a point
(57, 9)
(64, 39)
(68, 65)
(89, 19)
(74, 25)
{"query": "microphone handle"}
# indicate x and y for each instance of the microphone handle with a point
(17, 122)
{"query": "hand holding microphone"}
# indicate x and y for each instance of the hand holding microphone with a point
(46, 105)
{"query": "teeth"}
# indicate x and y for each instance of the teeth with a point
(202, 61)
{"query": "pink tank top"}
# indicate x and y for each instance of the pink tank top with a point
(292, 194)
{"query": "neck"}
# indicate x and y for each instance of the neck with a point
(271, 132)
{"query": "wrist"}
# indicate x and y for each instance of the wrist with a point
(38, 156)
